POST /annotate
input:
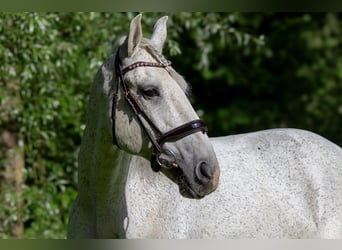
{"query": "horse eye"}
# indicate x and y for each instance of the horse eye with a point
(150, 92)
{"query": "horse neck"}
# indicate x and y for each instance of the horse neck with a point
(103, 167)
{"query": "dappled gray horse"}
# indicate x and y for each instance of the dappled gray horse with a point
(143, 141)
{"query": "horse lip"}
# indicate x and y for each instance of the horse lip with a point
(190, 193)
(186, 190)
(177, 176)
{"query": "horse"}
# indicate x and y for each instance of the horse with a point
(147, 168)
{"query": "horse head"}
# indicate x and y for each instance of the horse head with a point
(153, 118)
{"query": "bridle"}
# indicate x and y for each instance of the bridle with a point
(170, 136)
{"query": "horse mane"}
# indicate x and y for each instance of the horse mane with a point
(147, 46)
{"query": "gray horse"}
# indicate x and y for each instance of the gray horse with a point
(280, 183)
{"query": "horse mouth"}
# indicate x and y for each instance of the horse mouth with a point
(185, 189)
(187, 192)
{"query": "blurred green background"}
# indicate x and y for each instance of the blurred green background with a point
(249, 71)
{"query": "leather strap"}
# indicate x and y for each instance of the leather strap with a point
(183, 131)
(170, 136)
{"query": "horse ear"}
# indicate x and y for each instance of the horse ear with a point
(159, 33)
(134, 36)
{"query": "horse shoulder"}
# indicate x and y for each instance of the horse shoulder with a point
(295, 170)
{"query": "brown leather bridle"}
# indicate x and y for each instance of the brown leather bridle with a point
(170, 136)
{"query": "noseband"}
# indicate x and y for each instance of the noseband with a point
(157, 162)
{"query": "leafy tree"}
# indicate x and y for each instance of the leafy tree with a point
(51, 60)
(277, 70)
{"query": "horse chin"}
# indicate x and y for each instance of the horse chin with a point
(177, 176)
(189, 193)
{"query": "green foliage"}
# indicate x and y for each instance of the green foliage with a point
(51, 60)
(282, 70)
(249, 71)
(10, 212)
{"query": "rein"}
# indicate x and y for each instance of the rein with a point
(169, 136)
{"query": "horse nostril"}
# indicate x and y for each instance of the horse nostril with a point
(203, 172)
